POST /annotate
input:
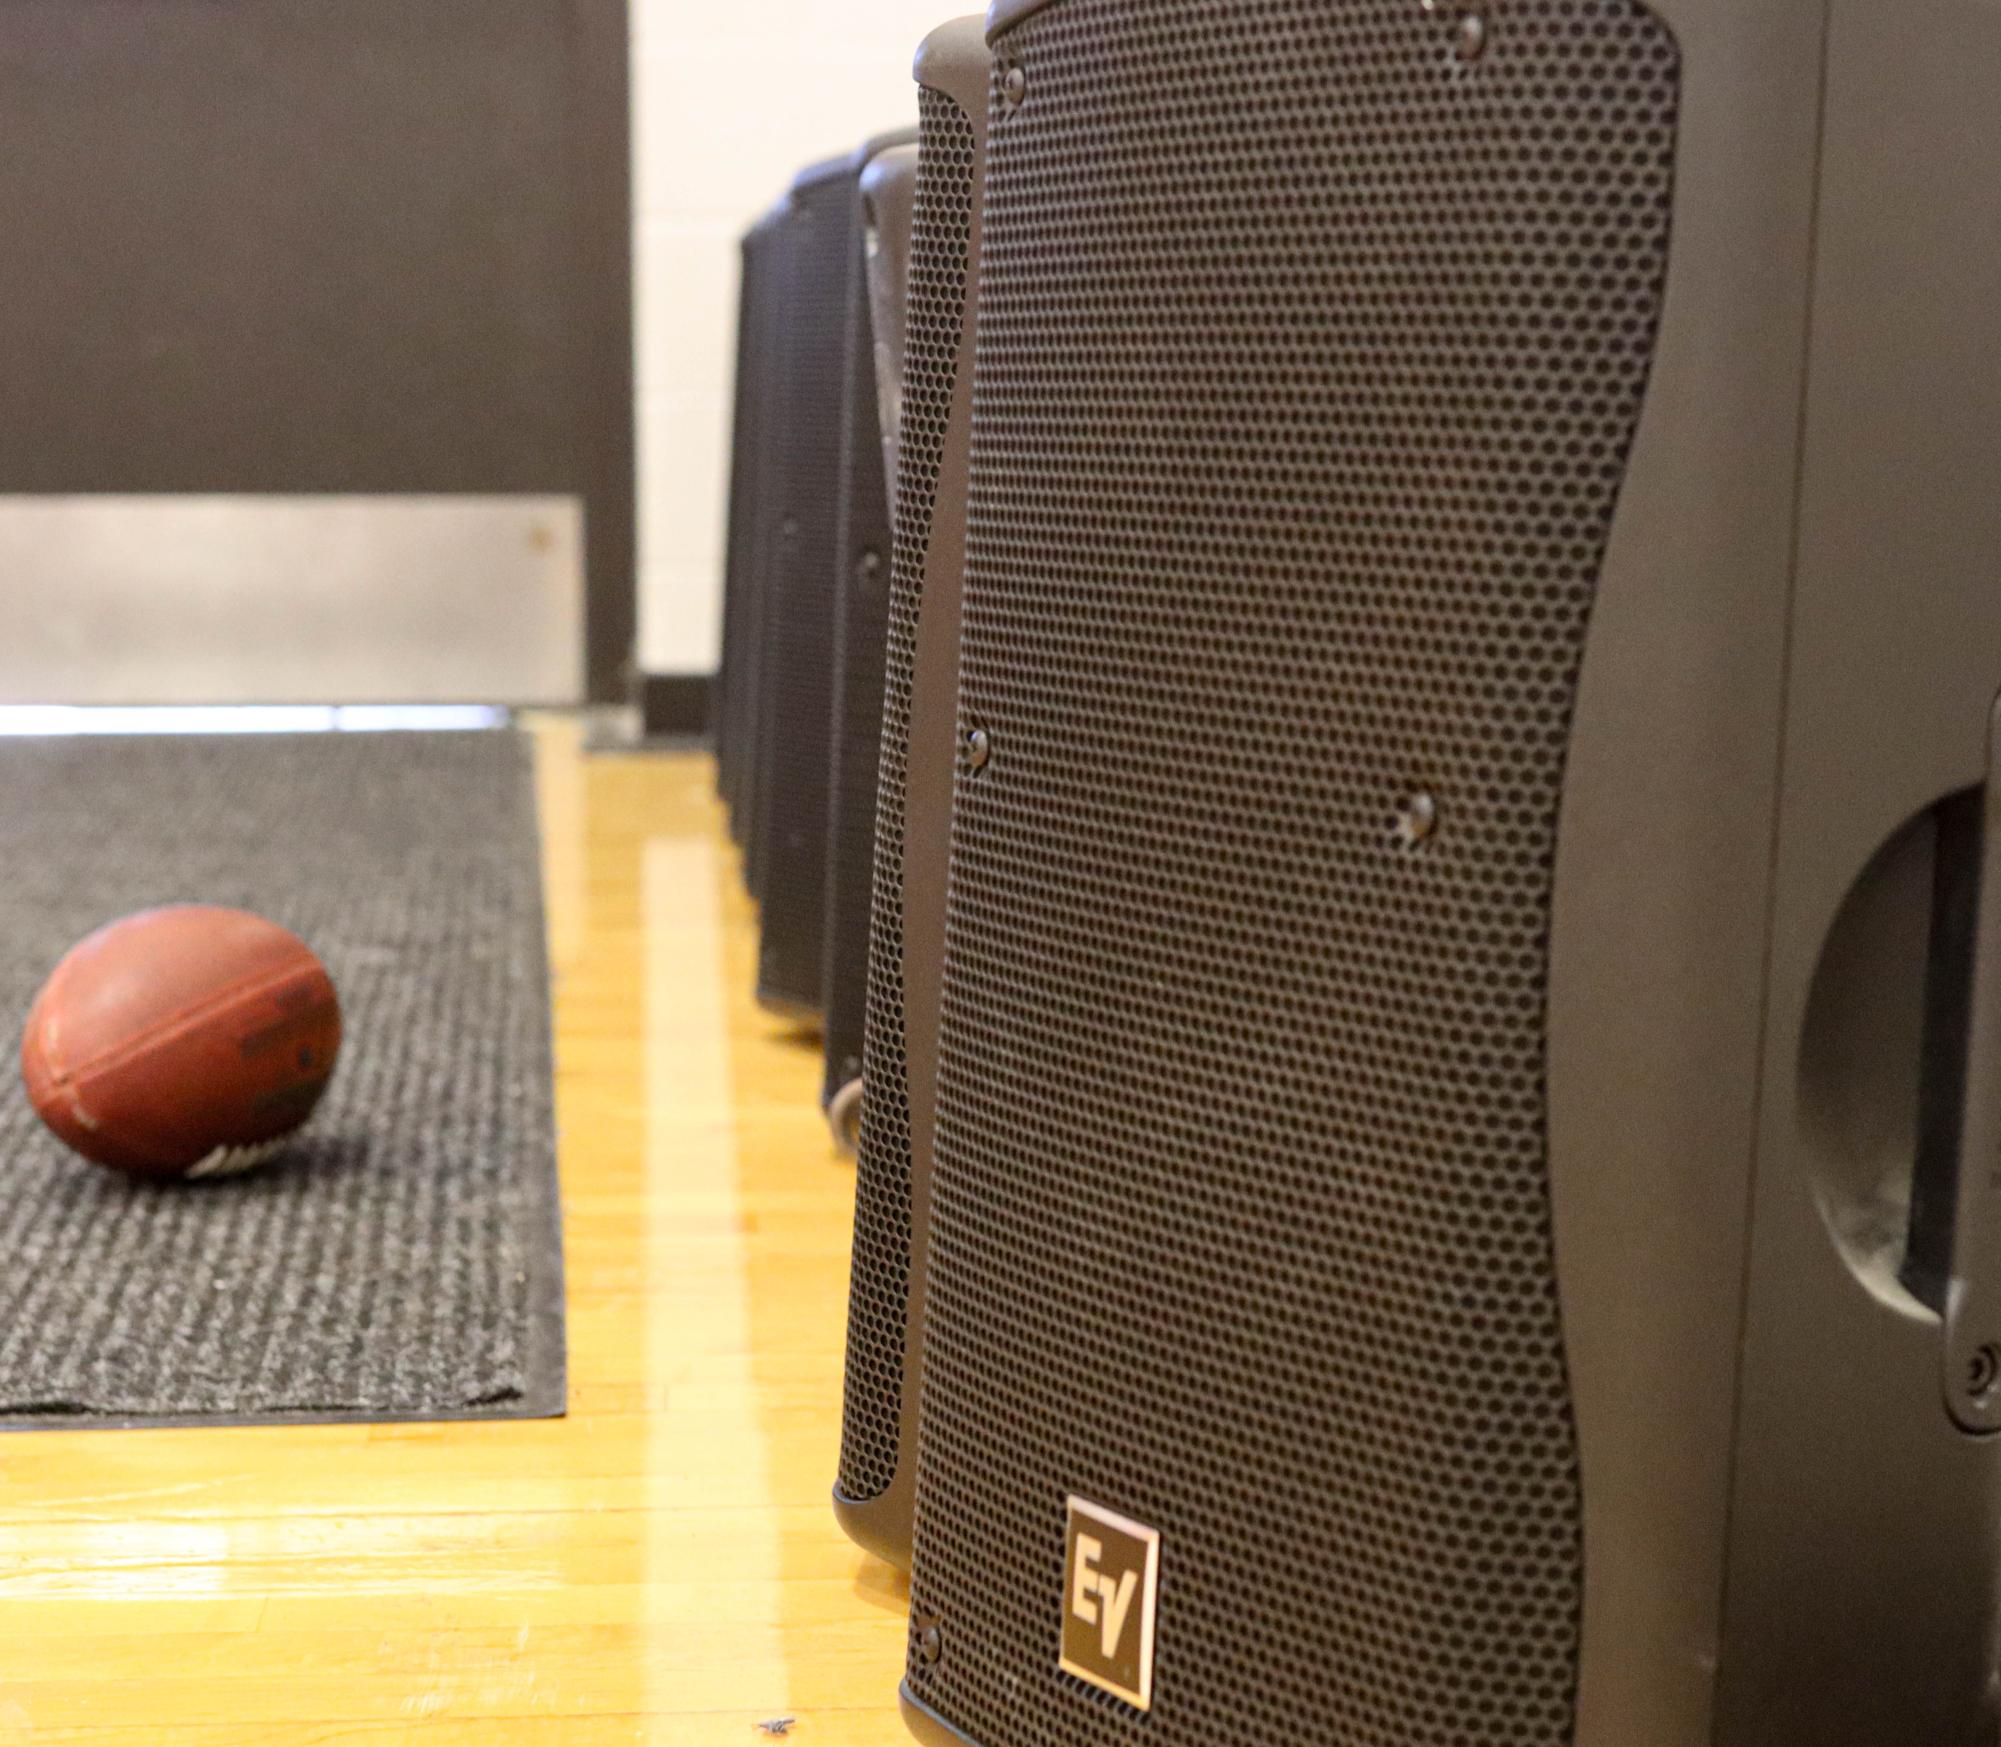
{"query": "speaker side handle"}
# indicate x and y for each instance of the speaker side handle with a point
(1973, 1288)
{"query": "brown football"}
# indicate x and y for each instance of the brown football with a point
(182, 1043)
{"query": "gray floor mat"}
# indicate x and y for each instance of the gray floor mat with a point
(403, 1258)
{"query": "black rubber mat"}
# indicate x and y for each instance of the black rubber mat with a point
(402, 1259)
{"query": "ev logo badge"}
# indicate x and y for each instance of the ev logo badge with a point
(1111, 1582)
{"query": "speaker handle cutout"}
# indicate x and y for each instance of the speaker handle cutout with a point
(1958, 838)
(1973, 1287)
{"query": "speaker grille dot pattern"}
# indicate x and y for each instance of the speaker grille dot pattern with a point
(1311, 353)
(934, 324)
(861, 616)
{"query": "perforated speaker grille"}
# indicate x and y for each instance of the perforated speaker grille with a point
(860, 633)
(797, 682)
(879, 1296)
(1311, 351)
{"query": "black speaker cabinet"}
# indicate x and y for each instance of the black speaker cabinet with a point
(875, 358)
(755, 386)
(795, 619)
(756, 510)
(732, 564)
(889, 206)
(823, 291)
(913, 818)
(1467, 1198)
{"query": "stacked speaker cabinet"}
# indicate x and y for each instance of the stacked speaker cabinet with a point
(878, 1450)
(788, 847)
(861, 619)
(1468, 1085)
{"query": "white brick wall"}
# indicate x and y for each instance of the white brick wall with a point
(730, 99)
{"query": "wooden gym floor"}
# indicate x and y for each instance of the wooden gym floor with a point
(662, 1566)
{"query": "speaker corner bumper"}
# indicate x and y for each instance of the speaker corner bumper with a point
(926, 1725)
(875, 1526)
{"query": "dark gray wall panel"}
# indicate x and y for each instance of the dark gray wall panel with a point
(323, 245)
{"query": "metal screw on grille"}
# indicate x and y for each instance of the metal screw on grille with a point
(931, 1645)
(1472, 36)
(1014, 86)
(1418, 822)
(979, 749)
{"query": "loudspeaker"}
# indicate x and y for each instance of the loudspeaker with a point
(1469, 1069)
(875, 348)
(788, 853)
(756, 385)
(872, 1495)
(795, 610)
(889, 207)
(759, 494)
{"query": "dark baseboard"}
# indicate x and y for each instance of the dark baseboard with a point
(675, 705)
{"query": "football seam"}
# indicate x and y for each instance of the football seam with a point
(172, 1027)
